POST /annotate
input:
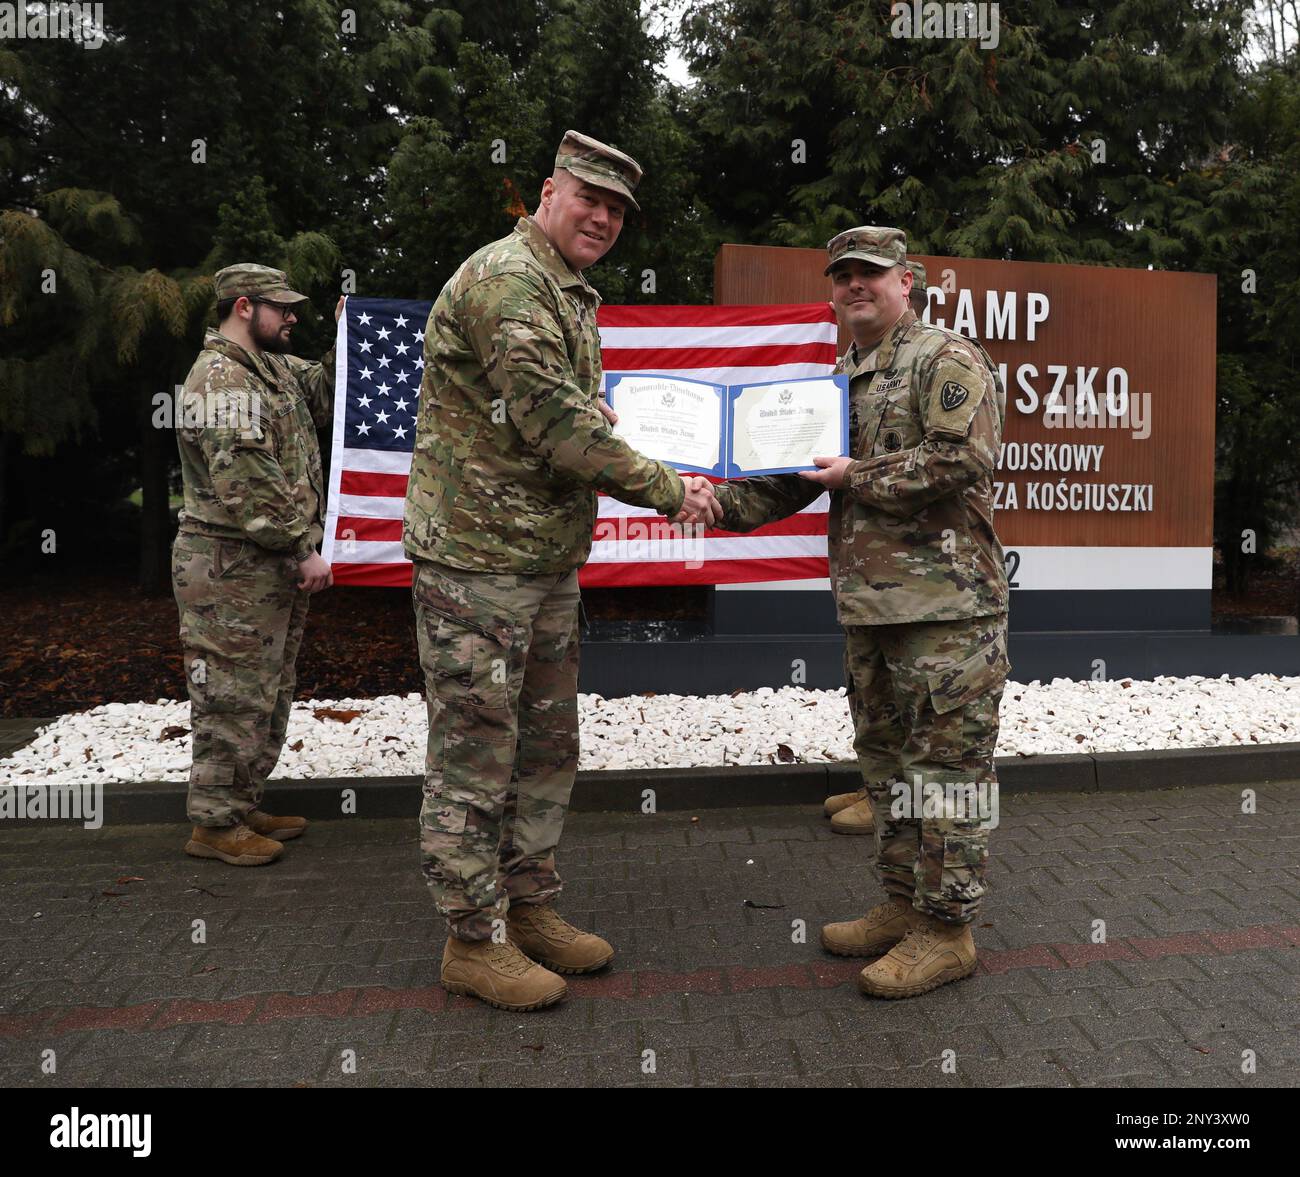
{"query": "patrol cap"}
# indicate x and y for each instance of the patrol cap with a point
(918, 275)
(249, 280)
(874, 244)
(599, 164)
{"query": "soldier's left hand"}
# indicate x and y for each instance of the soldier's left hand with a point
(610, 415)
(832, 473)
(338, 309)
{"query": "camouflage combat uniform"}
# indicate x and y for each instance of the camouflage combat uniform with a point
(510, 451)
(253, 498)
(920, 588)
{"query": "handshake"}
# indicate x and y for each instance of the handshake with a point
(700, 505)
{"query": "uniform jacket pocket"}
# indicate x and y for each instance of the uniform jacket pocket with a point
(227, 555)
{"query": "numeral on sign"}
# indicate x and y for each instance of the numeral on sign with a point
(1012, 563)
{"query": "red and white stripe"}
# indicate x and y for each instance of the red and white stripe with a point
(727, 345)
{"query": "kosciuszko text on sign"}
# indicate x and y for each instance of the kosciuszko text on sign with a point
(1105, 478)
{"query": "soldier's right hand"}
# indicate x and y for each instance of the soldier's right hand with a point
(315, 572)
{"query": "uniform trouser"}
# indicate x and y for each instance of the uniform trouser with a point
(924, 701)
(242, 618)
(500, 661)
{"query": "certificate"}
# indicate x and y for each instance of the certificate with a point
(773, 427)
(779, 426)
(680, 422)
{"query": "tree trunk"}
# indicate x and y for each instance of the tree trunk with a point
(5, 441)
(155, 512)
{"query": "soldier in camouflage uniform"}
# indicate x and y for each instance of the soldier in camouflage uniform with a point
(512, 445)
(921, 592)
(245, 561)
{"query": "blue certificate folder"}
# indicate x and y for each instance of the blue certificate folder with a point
(671, 418)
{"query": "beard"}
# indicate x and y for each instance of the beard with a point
(268, 332)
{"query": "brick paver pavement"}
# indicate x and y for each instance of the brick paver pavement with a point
(332, 953)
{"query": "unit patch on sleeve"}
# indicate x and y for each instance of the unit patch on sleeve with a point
(952, 395)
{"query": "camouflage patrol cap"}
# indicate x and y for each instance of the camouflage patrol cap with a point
(599, 164)
(918, 275)
(874, 244)
(249, 280)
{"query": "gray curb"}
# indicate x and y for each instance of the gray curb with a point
(729, 788)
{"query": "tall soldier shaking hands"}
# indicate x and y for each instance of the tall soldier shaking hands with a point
(511, 447)
(245, 559)
(921, 592)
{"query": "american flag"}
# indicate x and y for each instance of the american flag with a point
(378, 371)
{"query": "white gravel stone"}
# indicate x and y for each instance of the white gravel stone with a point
(125, 741)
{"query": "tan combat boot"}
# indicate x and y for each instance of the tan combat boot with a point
(842, 801)
(854, 819)
(931, 954)
(279, 828)
(237, 845)
(542, 934)
(499, 974)
(875, 933)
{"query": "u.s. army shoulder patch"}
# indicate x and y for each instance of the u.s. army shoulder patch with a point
(952, 395)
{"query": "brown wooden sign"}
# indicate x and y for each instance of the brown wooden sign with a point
(1110, 380)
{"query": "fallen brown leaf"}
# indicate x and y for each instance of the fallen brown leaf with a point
(342, 714)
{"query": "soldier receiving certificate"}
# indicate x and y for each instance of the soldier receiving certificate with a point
(776, 427)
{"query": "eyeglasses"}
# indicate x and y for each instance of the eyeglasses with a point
(285, 308)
